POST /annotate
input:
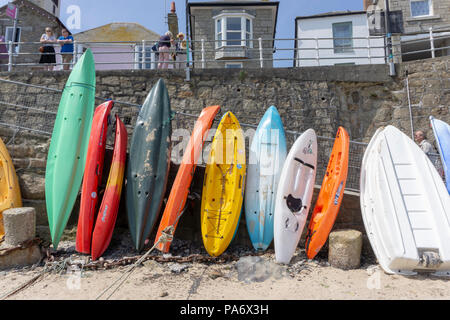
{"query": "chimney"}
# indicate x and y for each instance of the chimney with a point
(172, 20)
(367, 3)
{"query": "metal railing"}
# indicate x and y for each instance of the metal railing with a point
(203, 53)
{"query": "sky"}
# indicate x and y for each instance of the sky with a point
(152, 13)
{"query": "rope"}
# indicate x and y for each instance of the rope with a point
(167, 236)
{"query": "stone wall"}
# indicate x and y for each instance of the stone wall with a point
(360, 98)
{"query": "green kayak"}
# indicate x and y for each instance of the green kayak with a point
(148, 167)
(68, 148)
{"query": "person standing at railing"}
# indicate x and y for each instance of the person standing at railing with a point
(429, 150)
(181, 51)
(66, 42)
(165, 43)
(48, 53)
(3, 54)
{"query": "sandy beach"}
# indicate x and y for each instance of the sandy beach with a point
(242, 277)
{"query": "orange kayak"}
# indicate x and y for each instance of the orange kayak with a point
(330, 196)
(180, 189)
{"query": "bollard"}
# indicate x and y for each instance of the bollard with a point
(20, 225)
(345, 249)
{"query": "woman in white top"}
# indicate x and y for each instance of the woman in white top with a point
(48, 54)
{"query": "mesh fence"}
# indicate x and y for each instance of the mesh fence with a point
(25, 107)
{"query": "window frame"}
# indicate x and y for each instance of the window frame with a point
(245, 35)
(343, 49)
(16, 47)
(430, 8)
(241, 65)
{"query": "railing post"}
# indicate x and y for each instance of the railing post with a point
(433, 53)
(203, 54)
(261, 57)
(317, 52)
(143, 52)
(368, 50)
(10, 56)
(75, 53)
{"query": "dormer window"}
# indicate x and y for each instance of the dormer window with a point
(233, 29)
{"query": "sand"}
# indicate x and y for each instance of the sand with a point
(301, 280)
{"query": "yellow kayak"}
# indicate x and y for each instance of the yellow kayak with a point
(223, 186)
(9, 185)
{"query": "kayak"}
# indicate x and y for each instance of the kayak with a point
(267, 155)
(69, 143)
(109, 208)
(223, 187)
(330, 196)
(294, 195)
(148, 167)
(92, 177)
(10, 196)
(180, 189)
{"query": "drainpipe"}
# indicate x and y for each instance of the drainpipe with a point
(392, 71)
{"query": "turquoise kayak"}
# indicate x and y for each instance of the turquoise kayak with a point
(441, 131)
(67, 154)
(148, 166)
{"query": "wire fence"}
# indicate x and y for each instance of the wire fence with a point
(32, 108)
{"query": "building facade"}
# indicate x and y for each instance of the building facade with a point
(226, 34)
(31, 25)
(419, 18)
(111, 55)
(336, 38)
(52, 6)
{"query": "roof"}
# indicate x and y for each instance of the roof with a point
(233, 3)
(117, 31)
(331, 14)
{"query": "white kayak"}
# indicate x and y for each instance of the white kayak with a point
(294, 195)
(405, 206)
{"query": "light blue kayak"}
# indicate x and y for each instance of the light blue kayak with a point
(442, 134)
(267, 156)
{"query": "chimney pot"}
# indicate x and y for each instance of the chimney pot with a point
(172, 7)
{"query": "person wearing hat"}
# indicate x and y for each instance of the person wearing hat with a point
(181, 51)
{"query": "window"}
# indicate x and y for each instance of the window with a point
(148, 58)
(234, 29)
(420, 8)
(233, 66)
(342, 37)
(9, 37)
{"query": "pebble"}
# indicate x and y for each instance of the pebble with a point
(214, 274)
(178, 268)
(163, 294)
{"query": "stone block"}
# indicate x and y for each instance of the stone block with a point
(345, 248)
(20, 225)
(19, 257)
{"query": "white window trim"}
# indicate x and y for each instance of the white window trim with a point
(430, 5)
(223, 16)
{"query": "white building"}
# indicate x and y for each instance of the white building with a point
(336, 38)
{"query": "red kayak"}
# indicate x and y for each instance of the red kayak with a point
(180, 188)
(107, 215)
(92, 177)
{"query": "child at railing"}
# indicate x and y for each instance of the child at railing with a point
(66, 42)
(165, 43)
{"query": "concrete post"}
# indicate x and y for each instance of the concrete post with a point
(20, 225)
(10, 56)
(345, 248)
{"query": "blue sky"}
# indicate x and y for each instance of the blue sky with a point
(152, 13)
